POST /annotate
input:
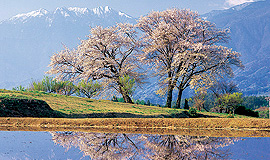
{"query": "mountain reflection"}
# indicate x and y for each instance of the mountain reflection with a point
(140, 146)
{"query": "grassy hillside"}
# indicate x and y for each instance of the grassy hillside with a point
(69, 106)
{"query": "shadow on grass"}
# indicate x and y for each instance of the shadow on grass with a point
(16, 107)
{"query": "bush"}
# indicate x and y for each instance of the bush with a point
(193, 112)
(242, 110)
(264, 114)
(230, 116)
(114, 99)
(20, 88)
(121, 100)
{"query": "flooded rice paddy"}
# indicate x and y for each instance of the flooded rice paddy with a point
(94, 145)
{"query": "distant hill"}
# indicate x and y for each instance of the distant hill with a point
(250, 35)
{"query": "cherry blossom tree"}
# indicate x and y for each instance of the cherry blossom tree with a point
(183, 50)
(107, 55)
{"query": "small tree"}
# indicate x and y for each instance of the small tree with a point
(231, 101)
(199, 99)
(88, 89)
(47, 84)
(58, 86)
(223, 87)
(68, 88)
(148, 103)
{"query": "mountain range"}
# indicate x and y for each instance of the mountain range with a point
(249, 24)
(28, 40)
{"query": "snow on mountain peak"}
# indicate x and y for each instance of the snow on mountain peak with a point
(102, 10)
(123, 14)
(62, 11)
(79, 11)
(71, 12)
(37, 13)
(107, 9)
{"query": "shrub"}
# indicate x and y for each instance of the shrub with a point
(114, 99)
(264, 114)
(242, 110)
(193, 112)
(20, 88)
(50, 85)
(121, 100)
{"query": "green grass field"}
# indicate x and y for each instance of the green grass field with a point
(83, 114)
(71, 106)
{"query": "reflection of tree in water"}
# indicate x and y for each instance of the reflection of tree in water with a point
(186, 147)
(98, 145)
(131, 146)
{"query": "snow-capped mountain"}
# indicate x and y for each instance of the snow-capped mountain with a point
(70, 14)
(28, 40)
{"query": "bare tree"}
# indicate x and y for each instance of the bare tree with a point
(183, 49)
(108, 54)
(223, 87)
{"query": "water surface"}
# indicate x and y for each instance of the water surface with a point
(87, 145)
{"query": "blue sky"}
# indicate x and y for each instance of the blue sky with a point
(135, 8)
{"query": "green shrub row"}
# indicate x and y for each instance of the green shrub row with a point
(48, 84)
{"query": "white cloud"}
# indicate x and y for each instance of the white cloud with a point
(230, 3)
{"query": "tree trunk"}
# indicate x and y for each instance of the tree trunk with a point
(169, 97)
(205, 108)
(178, 102)
(126, 97)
